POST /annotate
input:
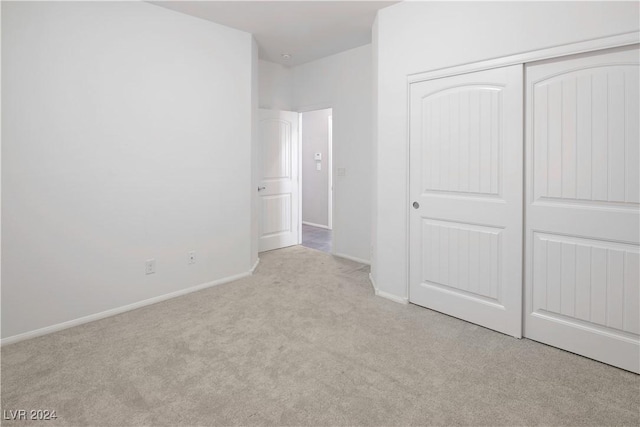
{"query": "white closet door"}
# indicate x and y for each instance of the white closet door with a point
(466, 186)
(582, 217)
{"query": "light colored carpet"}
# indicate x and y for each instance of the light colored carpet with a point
(305, 342)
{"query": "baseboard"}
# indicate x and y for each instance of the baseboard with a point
(352, 258)
(316, 225)
(394, 298)
(253, 269)
(114, 311)
(399, 300)
(373, 284)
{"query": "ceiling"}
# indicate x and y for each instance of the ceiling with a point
(307, 30)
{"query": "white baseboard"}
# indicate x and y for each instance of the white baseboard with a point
(373, 284)
(316, 225)
(394, 298)
(352, 258)
(108, 313)
(253, 269)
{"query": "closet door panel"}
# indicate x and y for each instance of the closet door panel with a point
(582, 215)
(466, 194)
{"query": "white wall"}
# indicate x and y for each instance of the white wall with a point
(413, 37)
(275, 86)
(315, 183)
(343, 82)
(127, 136)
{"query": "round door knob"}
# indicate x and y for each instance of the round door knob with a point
(416, 205)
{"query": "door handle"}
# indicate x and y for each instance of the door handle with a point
(416, 205)
(262, 188)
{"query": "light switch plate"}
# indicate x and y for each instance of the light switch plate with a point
(150, 266)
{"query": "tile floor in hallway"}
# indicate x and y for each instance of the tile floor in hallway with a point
(316, 238)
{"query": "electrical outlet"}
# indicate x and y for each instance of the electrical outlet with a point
(191, 257)
(150, 266)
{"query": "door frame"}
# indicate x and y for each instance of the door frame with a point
(619, 40)
(330, 175)
(331, 201)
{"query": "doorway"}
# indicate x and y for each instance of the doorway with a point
(317, 180)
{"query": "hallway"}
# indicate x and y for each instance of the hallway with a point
(317, 238)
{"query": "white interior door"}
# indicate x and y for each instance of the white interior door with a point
(466, 187)
(279, 185)
(582, 229)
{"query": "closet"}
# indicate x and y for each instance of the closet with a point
(524, 199)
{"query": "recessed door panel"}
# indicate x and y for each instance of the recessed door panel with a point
(462, 258)
(276, 214)
(461, 144)
(589, 280)
(584, 132)
(276, 150)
